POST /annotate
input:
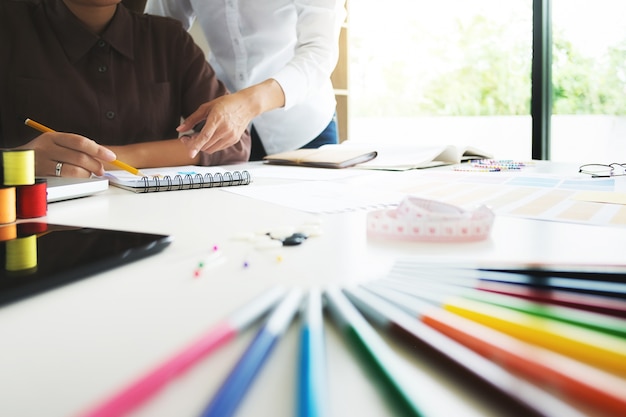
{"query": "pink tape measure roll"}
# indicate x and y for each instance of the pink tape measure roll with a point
(428, 220)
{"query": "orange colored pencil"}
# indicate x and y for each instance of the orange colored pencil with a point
(574, 378)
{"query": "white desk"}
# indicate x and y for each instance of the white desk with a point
(64, 350)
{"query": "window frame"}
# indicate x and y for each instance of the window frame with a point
(541, 95)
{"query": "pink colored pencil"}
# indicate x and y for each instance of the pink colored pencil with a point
(139, 391)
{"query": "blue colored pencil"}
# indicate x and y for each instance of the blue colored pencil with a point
(312, 398)
(229, 395)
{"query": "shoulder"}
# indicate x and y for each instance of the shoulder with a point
(18, 14)
(162, 23)
(166, 38)
(160, 28)
(20, 3)
(14, 5)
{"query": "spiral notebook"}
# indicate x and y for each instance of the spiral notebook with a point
(178, 178)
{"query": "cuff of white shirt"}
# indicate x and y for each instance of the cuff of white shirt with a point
(293, 84)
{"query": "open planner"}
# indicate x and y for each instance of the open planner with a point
(326, 156)
(402, 157)
(178, 178)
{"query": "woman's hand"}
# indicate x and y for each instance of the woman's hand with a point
(224, 120)
(227, 117)
(77, 155)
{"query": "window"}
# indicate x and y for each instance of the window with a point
(459, 71)
(588, 81)
(450, 71)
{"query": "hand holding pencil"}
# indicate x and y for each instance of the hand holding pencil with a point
(67, 152)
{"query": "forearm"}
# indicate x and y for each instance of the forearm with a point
(260, 98)
(154, 154)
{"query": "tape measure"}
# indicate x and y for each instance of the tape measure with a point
(428, 220)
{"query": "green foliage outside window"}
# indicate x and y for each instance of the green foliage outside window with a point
(586, 86)
(482, 68)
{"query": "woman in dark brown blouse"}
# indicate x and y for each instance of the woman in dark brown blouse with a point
(113, 80)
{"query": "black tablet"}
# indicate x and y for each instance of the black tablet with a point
(37, 256)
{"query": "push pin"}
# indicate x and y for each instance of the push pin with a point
(293, 239)
(212, 259)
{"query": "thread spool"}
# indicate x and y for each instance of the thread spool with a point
(32, 200)
(8, 212)
(18, 167)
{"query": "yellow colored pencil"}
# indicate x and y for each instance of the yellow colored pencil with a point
(122, 165)
(596, 348)
(37, 126)
(126, 167)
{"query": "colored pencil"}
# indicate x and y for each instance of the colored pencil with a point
(377, 354)
(613, 285)
(594, 272)
(597, 348)
(594, 303)
(605, 351)
(530, 288)
(127, 168)
(229, 395)
(312, 396)
(496, 381)
(602, 284)
(138, 392)
(590, 320)
(122, 165)
(572, 377)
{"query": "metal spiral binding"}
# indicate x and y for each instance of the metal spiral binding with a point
(195, 181)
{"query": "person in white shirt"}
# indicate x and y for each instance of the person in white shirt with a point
(276, 56)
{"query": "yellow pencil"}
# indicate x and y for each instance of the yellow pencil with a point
(599, 349)
(122, 165)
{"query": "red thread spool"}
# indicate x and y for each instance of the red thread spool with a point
(32, 200)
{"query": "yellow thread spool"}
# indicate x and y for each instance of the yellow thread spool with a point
(8, 206)
(21, 253)
(19, 167)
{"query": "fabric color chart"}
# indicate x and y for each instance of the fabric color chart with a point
(524, 195)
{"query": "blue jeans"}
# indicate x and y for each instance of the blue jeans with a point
(328, 136)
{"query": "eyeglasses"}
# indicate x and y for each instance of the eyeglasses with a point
(603, 170)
